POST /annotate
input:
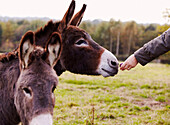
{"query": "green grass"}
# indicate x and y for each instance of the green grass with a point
(137, 97)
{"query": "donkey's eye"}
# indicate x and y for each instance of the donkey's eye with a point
(27, 91)
(81, 43)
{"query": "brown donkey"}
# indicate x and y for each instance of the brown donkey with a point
(80, 53)
(27, 83)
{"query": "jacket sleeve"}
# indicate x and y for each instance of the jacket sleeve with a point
(153, 48)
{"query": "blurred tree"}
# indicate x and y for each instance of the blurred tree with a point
(87, 26)
(111, 31)
(8, 32)
(7, 46)
(149, 33)
(115, 30)
(35, 24)
(119, 29)
(23, 22)
(102, 34)
(151, 27)
(130, 31)
(160, 29)
(21, 29)
(19, 32)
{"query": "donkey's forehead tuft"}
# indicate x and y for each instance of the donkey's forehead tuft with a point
(38, 51)
(75, 28)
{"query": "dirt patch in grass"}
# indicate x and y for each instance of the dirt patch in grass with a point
(150, 103)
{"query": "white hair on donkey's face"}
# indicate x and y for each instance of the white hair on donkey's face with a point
(43, 119)
(108, 64)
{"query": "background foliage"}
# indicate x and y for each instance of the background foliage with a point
(121, 38)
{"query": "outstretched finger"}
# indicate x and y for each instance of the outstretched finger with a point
(122, 66)
(127, 66)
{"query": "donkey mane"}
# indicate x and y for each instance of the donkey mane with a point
(6, 57)
(42, 34)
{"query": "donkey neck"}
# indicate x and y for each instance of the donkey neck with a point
(9, 73)
(59, 68)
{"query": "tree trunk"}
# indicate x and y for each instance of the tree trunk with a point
(117, 45)
(111, 41)
(129, 43)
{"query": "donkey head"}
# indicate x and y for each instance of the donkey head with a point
(81, 54)
(34, 97)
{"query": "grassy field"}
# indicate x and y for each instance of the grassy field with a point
(137, 97)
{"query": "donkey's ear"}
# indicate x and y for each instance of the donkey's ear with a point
(53, 49)
(25, 48)
(67, 17)
(78, 17)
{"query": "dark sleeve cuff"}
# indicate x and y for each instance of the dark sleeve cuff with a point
(142, 57)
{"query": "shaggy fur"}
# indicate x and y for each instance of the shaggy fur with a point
(37, 79)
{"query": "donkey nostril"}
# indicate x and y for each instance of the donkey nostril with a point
(113, 63)
(27, 91)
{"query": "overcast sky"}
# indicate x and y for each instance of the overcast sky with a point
(141, 11)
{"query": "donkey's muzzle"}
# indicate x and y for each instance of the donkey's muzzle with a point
(108, 64)
(42, 119)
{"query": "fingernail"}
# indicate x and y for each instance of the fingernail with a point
(121, 64)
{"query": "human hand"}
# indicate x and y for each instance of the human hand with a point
(129, 63)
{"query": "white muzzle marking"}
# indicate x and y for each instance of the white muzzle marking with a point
(43, 119)
(105, 67)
